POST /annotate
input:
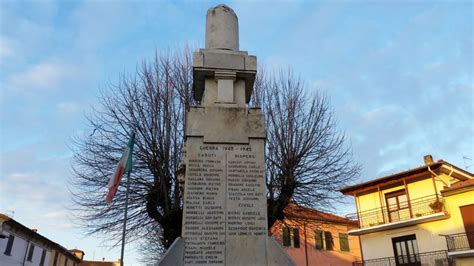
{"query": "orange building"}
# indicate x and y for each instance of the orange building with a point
(312, 237)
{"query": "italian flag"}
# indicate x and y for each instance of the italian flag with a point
(124, 166)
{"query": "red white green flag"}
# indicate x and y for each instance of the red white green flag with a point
(124, 166)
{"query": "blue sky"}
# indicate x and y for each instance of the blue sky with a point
(399, 76)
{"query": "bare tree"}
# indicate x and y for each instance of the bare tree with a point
(306, 159)
(153, 103)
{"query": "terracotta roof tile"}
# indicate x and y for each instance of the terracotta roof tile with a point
(296, 211)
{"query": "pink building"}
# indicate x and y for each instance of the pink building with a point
(312, 237)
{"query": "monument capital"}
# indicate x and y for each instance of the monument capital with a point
(222, 54)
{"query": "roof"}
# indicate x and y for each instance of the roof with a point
(99, 263)
(440, 164)
(34, 235)
(76, 250)
(296, 211)
(459, 185)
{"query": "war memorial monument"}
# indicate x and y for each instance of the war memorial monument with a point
(225, 214)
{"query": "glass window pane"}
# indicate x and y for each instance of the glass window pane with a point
(402, 198)
(318, 240)
(403, 201)
(328, 240)
(415, 246)
(392, 204)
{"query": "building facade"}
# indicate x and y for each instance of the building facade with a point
(20, 245)
(312, 237)
(408, 218)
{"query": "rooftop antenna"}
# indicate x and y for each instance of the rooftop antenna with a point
(466, 163)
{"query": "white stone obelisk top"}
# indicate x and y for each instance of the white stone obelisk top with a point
(222, 29)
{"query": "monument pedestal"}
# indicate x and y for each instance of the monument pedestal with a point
(275, 255)
(225, 213)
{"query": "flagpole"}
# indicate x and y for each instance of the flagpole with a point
(125, 219)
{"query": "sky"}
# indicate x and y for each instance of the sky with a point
(399, 77)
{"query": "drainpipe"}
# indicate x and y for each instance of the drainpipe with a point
(305, 247)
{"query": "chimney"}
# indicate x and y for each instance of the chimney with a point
(34, 230)
(428, 159)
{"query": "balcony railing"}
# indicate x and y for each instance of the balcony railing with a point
(412, 209)
(435, 258)
(460, 242)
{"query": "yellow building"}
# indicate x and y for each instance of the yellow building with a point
(423, 216)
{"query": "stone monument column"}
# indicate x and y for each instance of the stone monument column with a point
(225, 214)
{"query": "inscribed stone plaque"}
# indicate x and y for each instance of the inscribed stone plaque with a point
(224, 210)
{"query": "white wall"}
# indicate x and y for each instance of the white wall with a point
(379, 245)
(18, 252)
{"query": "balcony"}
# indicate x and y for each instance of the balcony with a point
(415, 211)
(435, 258)
(460, 245)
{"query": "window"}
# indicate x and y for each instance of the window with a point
(43, 256)
(405, 249)
(31, 252)
(291, 237)
(323, 240)
(328, 240)
(8, 249)
(65, 262)
(286, 236)
(344, 242)
(318, 239)
(397, 204)
(55, 262)
(296, 238)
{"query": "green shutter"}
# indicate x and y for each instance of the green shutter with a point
(318, 240)
(296, 238)
(344, 241)
(286, 236)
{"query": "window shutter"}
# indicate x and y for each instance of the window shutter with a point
(296, 238)
(286, 236)
(55, 263)
(344, 241)
(43, 256)
(8, 249)
(31, 252)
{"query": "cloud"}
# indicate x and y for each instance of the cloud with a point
(39, 77)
